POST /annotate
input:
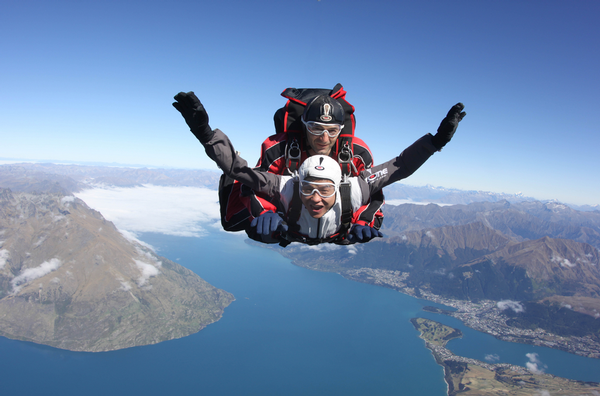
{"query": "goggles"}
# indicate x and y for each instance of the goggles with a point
(325, 190)
(319, 128)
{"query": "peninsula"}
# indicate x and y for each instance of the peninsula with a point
(472, 377)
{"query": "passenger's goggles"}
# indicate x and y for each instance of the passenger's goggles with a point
(325, 190)
(318, 128)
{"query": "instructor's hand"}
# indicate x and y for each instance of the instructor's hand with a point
(195, 115)
(448, 126)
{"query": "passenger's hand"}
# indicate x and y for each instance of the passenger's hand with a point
(361, 234)
(448, 126)
(268, 222)
(195, 115)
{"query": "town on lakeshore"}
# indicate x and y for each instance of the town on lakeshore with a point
(484, 316)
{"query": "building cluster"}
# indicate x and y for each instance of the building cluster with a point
(484, 316)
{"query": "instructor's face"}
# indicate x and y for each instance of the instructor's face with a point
(320, 145)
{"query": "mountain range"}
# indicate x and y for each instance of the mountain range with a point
(47, 177)
(484, 246)
(542, 253)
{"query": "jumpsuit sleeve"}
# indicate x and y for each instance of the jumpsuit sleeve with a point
(220, 150)
(401, 167)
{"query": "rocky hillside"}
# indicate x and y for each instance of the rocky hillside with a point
(528, 251)
(70, 279)
(520, 221)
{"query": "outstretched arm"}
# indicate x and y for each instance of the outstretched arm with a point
(219, 148)
(413, 156)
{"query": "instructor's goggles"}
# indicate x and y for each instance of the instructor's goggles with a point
(325, 190)
(319, 128)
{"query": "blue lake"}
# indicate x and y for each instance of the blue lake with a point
(291, 331)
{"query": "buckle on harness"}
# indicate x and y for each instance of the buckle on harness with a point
(293, 156)
(345, 158)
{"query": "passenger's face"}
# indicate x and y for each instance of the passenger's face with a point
(316, 205)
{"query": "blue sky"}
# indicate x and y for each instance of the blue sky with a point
(94, 81)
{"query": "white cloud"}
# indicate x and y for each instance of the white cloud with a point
(131, 237)
(514, 305)
(39, 241)
(329, 247)
(323, 247)
(563, 262)
(4, 256)
(30, 274)
(534, 364)
(147, 270)
(492, 358)
(149, 256)
(181, 211)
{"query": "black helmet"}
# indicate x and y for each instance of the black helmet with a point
(324, 109)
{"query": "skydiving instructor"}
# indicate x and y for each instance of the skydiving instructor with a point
(318, 179)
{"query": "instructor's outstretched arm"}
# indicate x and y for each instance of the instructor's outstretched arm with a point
(219, 148)
(414, 155)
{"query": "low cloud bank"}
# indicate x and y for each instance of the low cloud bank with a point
(534, 364)
(4, 256)
(492, 358)
(30, 274)
(508, 304)
(147, 271)
(329, 247)
(179, 211)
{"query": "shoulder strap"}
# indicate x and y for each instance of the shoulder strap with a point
(346, 197)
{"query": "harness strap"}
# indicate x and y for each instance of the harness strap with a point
(345, 195)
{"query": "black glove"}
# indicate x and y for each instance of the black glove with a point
(268, 222)
(194, 114)
(362, 234)
(448, 126)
